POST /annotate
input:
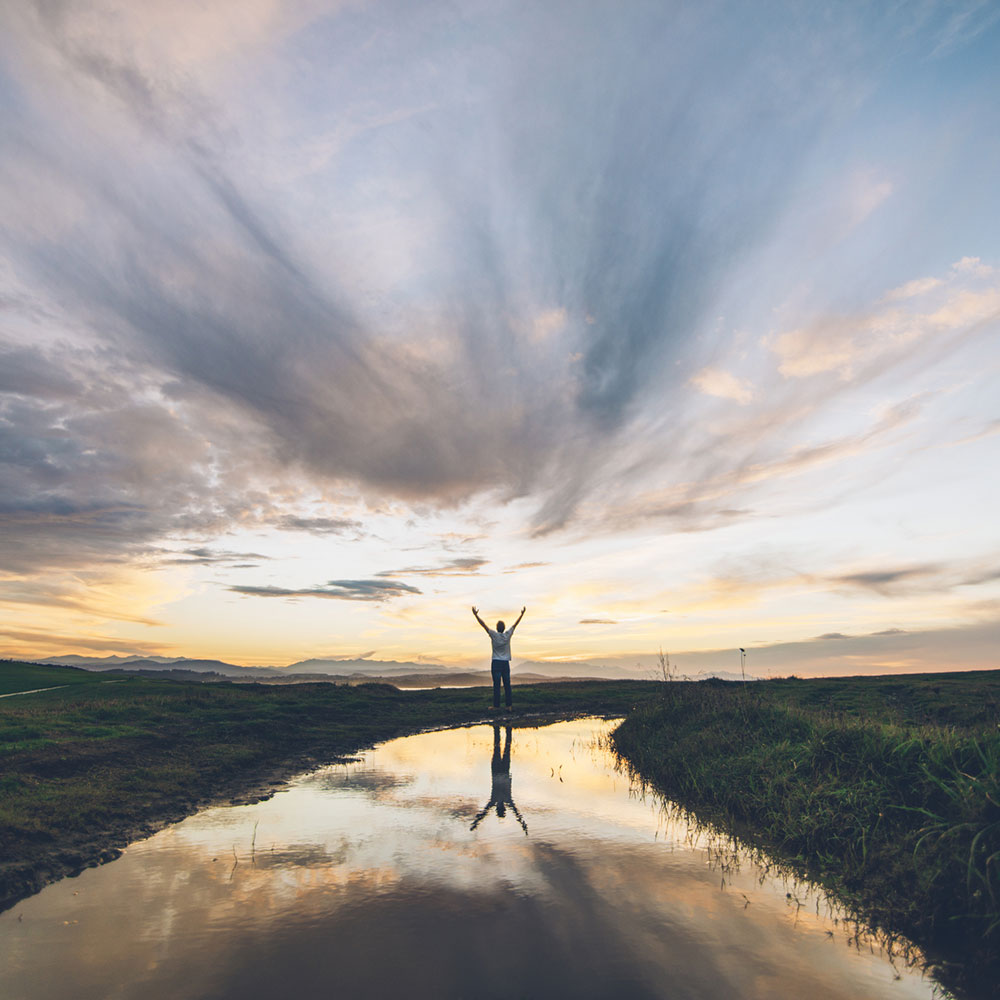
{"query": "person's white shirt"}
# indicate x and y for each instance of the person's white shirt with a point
(501, 643)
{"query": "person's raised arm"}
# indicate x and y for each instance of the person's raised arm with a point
(518, 622)
(475, 611)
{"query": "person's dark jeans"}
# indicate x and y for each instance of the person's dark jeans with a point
(501, 672)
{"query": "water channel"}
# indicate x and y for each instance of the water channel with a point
(466, 863)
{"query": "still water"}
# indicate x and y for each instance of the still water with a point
(467, 863)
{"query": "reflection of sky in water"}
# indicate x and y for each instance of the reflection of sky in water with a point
(366, 880)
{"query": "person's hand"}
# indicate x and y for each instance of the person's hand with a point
(523, 610)
(475, 611)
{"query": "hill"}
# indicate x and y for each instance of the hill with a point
(16, 676)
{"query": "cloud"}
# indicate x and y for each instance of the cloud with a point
(843, 635)
(867, 192)
(341, 590)
(918, 315)
(100, 461)
(549, 322)
(911, 289)
(464, 566)
(973, 265)
(721, 463)
(317, 525)
(402, 370)
(206, 556)
(723, 466)
(715, 382)
(79, 593)
(958, 24)
(921, 577)
(50, 640)
(730, 462)
(598, 621)
(880, 579)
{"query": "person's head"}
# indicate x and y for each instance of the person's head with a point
(499, 626)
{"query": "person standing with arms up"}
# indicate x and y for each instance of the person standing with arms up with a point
(500, 668)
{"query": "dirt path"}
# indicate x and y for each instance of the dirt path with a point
(14, 694)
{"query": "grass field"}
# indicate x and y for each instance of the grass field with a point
(16, 676)
(884, 789)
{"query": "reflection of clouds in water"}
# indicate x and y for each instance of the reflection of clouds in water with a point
(303, 856)
(377, 885)
(374, 780)
(497, 944)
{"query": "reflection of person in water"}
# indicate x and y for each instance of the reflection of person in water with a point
(500, 795)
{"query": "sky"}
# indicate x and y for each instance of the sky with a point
(675, 322)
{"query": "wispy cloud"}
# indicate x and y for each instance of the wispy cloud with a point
(63, 643)
(341, 590)
(940, 577)
(206, 557)
(916, 315)
(463, 566)
(725, 385)
(317, 525)
(74, 594)
(886, 580)
(731, 465)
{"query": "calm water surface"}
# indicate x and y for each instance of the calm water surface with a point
(431, 868)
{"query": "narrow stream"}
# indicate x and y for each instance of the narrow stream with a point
(466, 863)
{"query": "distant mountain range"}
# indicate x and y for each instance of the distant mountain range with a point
(408, 673)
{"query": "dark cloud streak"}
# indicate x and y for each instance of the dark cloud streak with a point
(464, 566)
(317, 525)
(341, 590)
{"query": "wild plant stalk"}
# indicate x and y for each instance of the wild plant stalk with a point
(666, 670)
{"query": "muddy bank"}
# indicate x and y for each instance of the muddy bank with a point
(83, 848)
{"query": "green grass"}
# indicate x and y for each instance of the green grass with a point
(87, 767)
(886, 790)
(16, 676)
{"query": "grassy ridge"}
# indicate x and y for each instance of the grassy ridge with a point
(15, 676)
(88, 767)
(875, 797)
